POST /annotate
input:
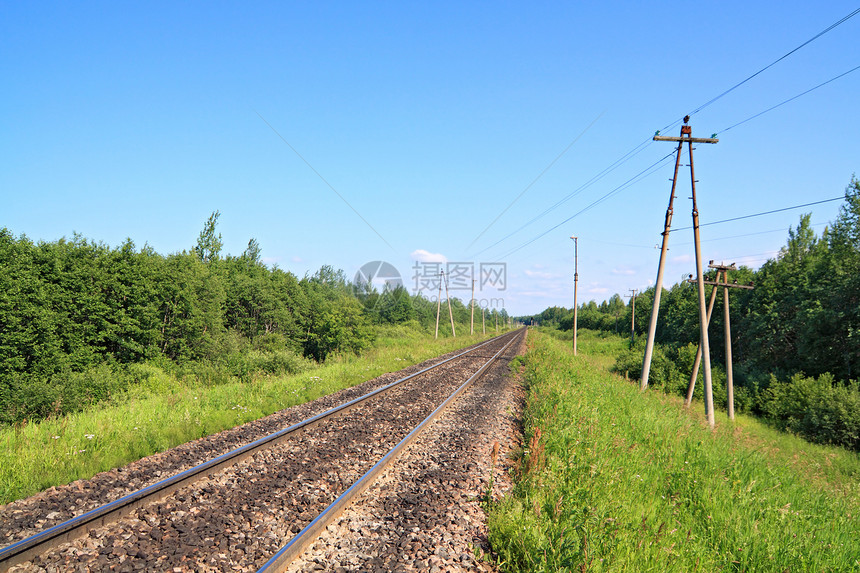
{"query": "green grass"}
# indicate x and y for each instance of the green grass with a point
(616, 480)
(164, 411)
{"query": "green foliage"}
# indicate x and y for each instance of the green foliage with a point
(74, 314)
(209, 244)
(819, 409)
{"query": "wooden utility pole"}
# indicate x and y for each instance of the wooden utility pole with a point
(439, 302)
(472, 329)
(697, 362)
(632, 316)
(686, 137)
(450, 312)
(575, 279)
(730, 386)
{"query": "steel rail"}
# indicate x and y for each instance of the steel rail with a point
(297, 545)
(27, 548)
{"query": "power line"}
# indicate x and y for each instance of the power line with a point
(529, 186)
(809, 41)
(635, 179)
(616, 164)
(762, 213)
(782, 230)
(790, 99)
(735, 258)
(624, 158)
(324, 180)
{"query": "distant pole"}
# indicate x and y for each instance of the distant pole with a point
(439, 303)
(730, 386)
(483, 322)
(472, 329)
(686, 136)
(632, 316)
(450, 312)
(575, 279)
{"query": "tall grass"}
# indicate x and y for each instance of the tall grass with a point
(616, 480)
(164, 410)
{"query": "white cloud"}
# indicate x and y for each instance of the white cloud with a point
(682, 259)
(598, 290)
(538, 294)
(423, 256)
(540, 274)
(625, 272)
(297, 260)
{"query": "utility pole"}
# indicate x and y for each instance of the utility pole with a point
(632, 316)
(686, 137)
(730, 386)
(575, 279)
(450, 312)
(697, 362)
(472, 329)
(439, 302)
(483, 322)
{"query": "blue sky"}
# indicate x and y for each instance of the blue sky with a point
(140, 119)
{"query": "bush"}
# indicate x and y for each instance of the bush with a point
(671, 370)
(816, 408)
(278, 362)
(36, 397)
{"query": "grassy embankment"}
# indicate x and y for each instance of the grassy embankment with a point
(164, 411)
(616, 480)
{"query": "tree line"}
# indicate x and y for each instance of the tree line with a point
(795, 336)
(76, 316)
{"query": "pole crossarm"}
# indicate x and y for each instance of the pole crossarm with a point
(685, 139)
(713, 283)
(722, 269)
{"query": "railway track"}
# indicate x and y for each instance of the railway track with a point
(259, 505)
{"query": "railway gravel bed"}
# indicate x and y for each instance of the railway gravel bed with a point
(425, 512)
(235, 520)
(25, 517)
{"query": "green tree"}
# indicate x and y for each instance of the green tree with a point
(209, 244)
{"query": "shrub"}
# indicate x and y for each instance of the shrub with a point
(36, 397)
(278, 362)
(816, 408)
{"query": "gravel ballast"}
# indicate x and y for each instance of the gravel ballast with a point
(235, 520)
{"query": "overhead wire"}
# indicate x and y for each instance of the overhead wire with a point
(762, 213)
(782, 230)
(535, 180)
(623, 159)
(627, 156)
(635, 179)
(773, 63)
(789, 100)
